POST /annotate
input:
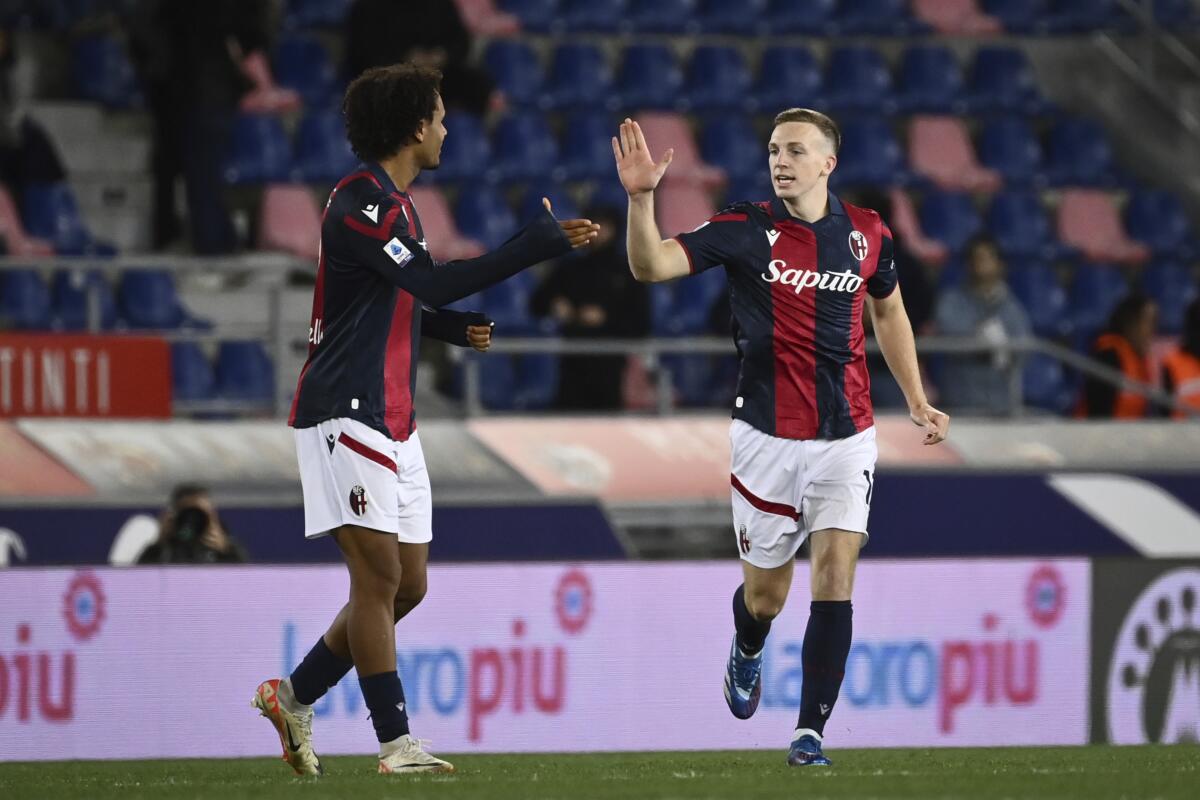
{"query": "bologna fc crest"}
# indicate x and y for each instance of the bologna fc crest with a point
(743, 539)
(858, 245)
(358, 501)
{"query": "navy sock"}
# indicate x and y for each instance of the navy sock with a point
(751, 632)
(318, 673)
(826, 646)
(385, 699)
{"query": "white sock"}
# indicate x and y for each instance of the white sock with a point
(287, 698)
(806, 732)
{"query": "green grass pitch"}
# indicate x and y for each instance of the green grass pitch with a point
(1050, 772)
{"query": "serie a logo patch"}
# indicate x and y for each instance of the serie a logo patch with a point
(398, 252)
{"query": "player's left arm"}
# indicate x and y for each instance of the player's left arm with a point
(460, 328)
(894, 333)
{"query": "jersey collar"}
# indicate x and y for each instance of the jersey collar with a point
(380, 174)
(779, 210)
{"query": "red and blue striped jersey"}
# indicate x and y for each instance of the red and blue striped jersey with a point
(797, 290)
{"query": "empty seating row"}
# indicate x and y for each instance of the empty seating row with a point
(145, 299)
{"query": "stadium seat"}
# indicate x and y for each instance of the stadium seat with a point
(259, 151)
(265, 96)
(609, 194)
(523, 147)
(146, 298)
(681, 207)
(304, 14)
(1156, 219)
(1037, 287)
(877, 18)
(593, 16)
(931, 81)
(857, 79)
(743, 18)
(940, 149)
(1045, 384)
(24, 300)
(191, 373)
(446, 242)
(537, 381)
(663, 130)
(870, 155)
(787, 77)
(1179, 14)
(484, 18)
(483, 215)
(102, 72)
(586, 151)
(812, 18)
(663, 16)
(580, 77)
(303, 64)
(1017, 16)
(71, 291)
(692, 303)
(754, 188)
(12, 230)
(650, 77)
(536, 16)
(717, 80)
(515, 68)
(1079, 154)
(561, 201)
(1088, 220)
(1095, 291)
(956, 17)
(52, 214)
(1021, 227)
(1009, 146)
(692, 378)
(466, 153)
(244, 372)
(1002, 80)
(731, 143)
(323, 153)
(907, 226)
(507, 303)
(1080, 16)
(951, 218)
(289, 221)
(1173, 287)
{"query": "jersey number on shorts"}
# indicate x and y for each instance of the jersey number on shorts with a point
(870, 486)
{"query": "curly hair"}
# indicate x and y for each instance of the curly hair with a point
(385, 106)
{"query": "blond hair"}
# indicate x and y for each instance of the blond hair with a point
(822, 122)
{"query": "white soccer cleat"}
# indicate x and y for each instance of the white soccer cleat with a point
(410, 756)
(295, 730)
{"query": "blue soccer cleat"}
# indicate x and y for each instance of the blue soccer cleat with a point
(743, 687)
(806, 752)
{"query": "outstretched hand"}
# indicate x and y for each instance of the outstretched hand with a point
(580, 232)
(480, 336)
(935, 423)
(635, 167)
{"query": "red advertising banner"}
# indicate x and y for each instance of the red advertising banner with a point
(84, 376)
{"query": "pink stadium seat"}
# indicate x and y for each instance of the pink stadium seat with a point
(940, 149)
(482, 18)
(666, 130)
(289, 221)
(1088, 220)
(446, 243)
(907, 226)
(962, 17)
(266, 96)
(19, 242)
(681, 207)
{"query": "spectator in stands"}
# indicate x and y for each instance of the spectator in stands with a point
(985, 309)
(1181, 367)
(1125, 347)
(190, 532)
(430, 33)
(594, 296)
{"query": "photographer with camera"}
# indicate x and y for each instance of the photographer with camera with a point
(190, 532)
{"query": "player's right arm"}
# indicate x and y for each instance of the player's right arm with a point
(651, 258)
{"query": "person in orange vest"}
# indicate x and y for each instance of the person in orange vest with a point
(1181, 367)
(1123, 346)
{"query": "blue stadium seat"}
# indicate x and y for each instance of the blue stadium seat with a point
(931, 81)
(787, 77)
(516, 70)
(813, 17)
(692, 378)
(717, 80)
(466, 153)
(951, 218)
(1002, 80)
(870, 154)
(146, 298)
(1173, 287)
(537, 381)
(259, 151)
(101, 71)
(561, 201)
(877, 18)
(650, 77)
(303, 14)
(244, 371)
(322, 150)
(1179, 14)
(524, 147)
(609, 193)
(1094, 293)
(742, 18)
(580, 77)
(498, 382)
(69, 292)
(586, 151)
(694, 299)
(535, 15)
(663, 16)
(754, 188)
(1157, 219)
(51, 213)
(857, 79)
(593, 16)
(730, 142)
(1081, 16)
(1046, 385)
(1036, 285)
(302, 63)
(507, 304)
(191, 373)
(24, 300)
(1079, 154)
(1017, 16)
(1009, 146)
(1022, 228)
(483, 215)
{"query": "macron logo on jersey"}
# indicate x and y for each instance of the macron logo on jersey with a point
(372, 213)
(398, 252)
(805, 278)
(772, 237)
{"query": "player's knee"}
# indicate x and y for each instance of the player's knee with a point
(379, 580)
(410, 594)
(764, 607)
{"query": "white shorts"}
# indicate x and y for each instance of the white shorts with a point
(784, 489)
(354, 475)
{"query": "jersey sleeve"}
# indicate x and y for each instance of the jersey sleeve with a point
(884, 281)
(719, 240)
(450, 326)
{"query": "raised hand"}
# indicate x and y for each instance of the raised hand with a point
(580, 232)
(636, 168)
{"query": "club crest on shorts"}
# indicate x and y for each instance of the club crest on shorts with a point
(743, 539)
(858, 245)
(358, 501)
